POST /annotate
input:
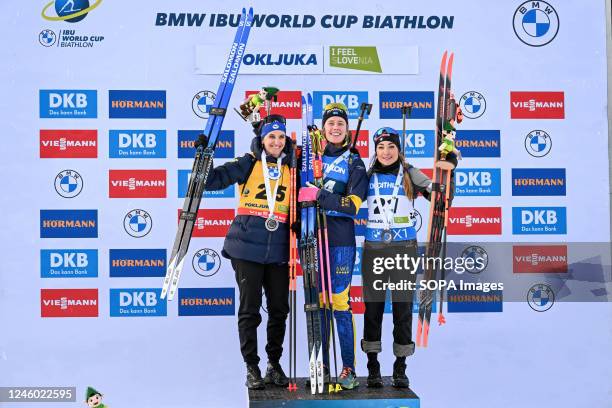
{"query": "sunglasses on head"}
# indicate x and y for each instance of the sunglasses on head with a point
(384, 131)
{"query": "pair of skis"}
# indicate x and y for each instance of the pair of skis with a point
(314, 256)
(204, 156)
(439, 202)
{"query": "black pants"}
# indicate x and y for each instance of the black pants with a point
(274, 278)
(375, 299)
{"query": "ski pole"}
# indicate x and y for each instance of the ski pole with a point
(365, 108)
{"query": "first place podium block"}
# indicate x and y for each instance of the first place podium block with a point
(360, 397)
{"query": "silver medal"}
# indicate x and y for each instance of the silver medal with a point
(387, 236)
(271, 224)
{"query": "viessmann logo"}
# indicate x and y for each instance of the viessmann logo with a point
(286, 103)
(475, 221)
(137, 183)
(212, 223)
(539, 259)
(69, 302)
(537, 105)
(64, 144)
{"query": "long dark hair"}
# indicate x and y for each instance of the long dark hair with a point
(407, 182)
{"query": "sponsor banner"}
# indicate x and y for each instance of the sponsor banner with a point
(386, 59)
(137, 303)
(68, 223)
(478, 143)
(539, 220)
(138, 144)
(69, 303)
(212, 222)
(262, 59)
(68, 263)
(358, 258)
(468, 301)
(477, 182)
(474, 221)
(356, 299)
(136, 104)
(224, 148)
(68, 103)
(361, 222)
(183, 183)
(539, 259)
(390, 104)
(137, 183)
(137, 263)
(538, 182)
(352, 100)
(286, 103)
(363, 144)
(206, 302)
(420, 143)
(415, 304)
(537, 105)
(68, 144)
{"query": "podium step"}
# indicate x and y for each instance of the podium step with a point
(362, 396)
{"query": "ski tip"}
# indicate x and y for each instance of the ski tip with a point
(441, 319)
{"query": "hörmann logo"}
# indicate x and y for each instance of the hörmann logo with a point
(465, 301)
(391, 103)
(137, 183)
(68, 223)
(206, 302)
(64, 144)
(133, 104)
(538, 182)
(224, 148)
(137, 263)
(478, 143)
(537, 105)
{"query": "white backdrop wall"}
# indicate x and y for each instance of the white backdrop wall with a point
(181, 360)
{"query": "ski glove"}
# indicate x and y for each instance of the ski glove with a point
(308, 194)
(202, 141)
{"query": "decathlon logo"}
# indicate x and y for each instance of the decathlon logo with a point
(202, 102)
(137, 223)
(68, 183)
(206, 262)
(536, 23)
(540, 297)
(473, 104)
(538, 143)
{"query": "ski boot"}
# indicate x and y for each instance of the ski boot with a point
(254, 380)
(399, 373)
(275, 375)
(348, 379)
(374, 377)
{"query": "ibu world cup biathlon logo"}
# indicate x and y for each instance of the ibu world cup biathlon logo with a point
(536, 23)
(473, 104)
(202, 102)
(71, 11)
(540, 297)
(68, 183)
(47, 38)
(206, 262)
(538, 143)
(137, 223)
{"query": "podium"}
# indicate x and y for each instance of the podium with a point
(360, 397)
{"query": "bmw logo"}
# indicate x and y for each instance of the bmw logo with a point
(68, 183)
(206, 262)
(536, 23)
(473, 104)
(137, 223)
(47, 38)
(475, 252)
(540, 297)
(416, 220)
(273, 173)
(538, 143)
(202, 102)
